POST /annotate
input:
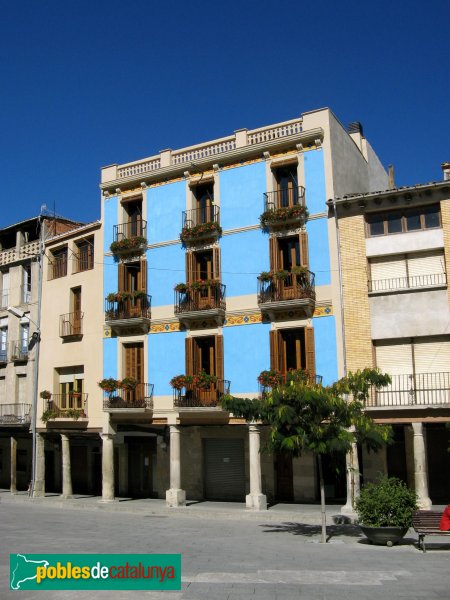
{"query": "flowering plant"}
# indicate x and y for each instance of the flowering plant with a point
(199, 231)
(281, 215)
(109, 385)
(265, 276)
(203, 380)
(181, 381)
(128, 383)
(298, 376)
(46, 395)
(131, 244)
(270, 378)
(181, 287)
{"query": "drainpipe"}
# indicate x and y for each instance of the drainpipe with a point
(341, 292)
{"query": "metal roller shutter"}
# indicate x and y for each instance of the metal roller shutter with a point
(426, 268)
(224, 464)
(432, 362)
(397, 360)
(388, 273)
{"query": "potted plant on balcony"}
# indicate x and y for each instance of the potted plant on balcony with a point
(139, 294)
(74, 413)
(385, 510)
(200, 231)
(128, 383)
(203, 380)
(180, 381)
(270, 378)
(45, 395)
(48, 414)
(181, 287)
(281, 275)
(265, 276)
(299, 376)
(134, 245)
(109, 385)
(283, 215)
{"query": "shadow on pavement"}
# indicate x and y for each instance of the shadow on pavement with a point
(314, 530)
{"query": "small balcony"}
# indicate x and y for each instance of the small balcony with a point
(129, 239)
(200, 225)
(15, 414)
(72, 405)
(193, 396)
(128, 312)
(268, 380)
(284, 208)
(19, 351)
(71, 325)
(405, 284)
(200, 300)
(420, 390)
(136, 400)
(283, 290)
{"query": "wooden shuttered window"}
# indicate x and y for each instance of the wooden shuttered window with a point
(277, 351)
(122, 278)
(189, 267)
(190, 352)
(310, 350)
(216, 263)
(142, 279)
(274, 254)
(134, 361)
(219, 357)
(304, 256)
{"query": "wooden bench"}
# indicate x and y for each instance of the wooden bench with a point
(426, 522)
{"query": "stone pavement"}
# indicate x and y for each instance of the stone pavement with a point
(228, 553)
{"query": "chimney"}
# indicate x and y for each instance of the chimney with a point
(446, 170)
(391, 177)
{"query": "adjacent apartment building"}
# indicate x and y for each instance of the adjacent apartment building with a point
(21, 252)
(394, 251)
(221, 262)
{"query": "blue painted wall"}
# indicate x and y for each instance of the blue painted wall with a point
(110, 358)
(246, 354)
(111, 206)
(165, 204)
(315, 182)
(166, 267)
(326, 349)
(319, 250)
(244, 255)
(241, 195)
(165, 359)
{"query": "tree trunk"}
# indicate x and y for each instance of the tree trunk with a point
(322, 501)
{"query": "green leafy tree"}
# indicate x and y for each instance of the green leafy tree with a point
(305, 416)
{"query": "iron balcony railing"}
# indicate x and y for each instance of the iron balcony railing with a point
(11, 414)
(128, 308)
(140, 397)
(194, 396)
(199, 216)
(130, 229)
(206, 298)
(63, 404)
(284, 198)
(411, 282)
(293, 287)
(71, 324)
(419, 389)
(18, 350)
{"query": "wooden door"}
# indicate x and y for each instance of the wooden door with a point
(76, 305)
(134, 368)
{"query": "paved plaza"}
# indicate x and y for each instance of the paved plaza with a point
(228, 554)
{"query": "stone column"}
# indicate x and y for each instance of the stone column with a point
(352, 478)
(39, 482)
(420, 466)
(175, 496)
(256, 499)
(123, 469)
(66, 469)
(107, 467)
(13, 486)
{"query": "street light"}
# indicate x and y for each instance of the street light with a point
(35, 339)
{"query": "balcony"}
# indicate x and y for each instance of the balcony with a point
(421, 390)
(15, 414)
(72, 405)
(281, 291)
(200, 300)
(129, 401)
(402, 284)
(130, 239)
(128, 312)
(19, 351)
(71, 325)
(200, 225)
(284, 208)
(268, 380)
(192, 396)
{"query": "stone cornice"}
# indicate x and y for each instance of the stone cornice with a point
(223, 158)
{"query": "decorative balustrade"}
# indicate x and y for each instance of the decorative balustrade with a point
(191, 396)
(70, 405)
(122, 308)
(291, 287)
(410, 282)
(71, 324)
(266, 134)
(138, 168)
(420, 389)
(13, 414)
(122, 399)
(208, 297)
(18, 351)
(200, 151)
(12, 254)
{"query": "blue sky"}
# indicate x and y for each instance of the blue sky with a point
(87, 84)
